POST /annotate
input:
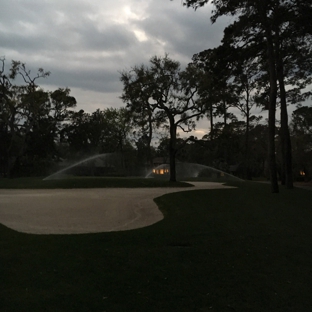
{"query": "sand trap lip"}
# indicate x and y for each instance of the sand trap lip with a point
(78, 211)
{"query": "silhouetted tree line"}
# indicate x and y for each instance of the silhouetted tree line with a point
(276, 34)
(39, 129)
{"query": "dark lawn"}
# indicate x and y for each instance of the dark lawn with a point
(216, 250)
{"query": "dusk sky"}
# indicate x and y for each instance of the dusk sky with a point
(86, 44)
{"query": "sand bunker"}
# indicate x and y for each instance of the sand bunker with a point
(78, 211)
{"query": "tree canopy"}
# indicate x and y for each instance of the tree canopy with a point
(168, 94)
(274, 31)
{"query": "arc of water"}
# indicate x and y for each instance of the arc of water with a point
(231, 175)
(198, 168)
(53, 175)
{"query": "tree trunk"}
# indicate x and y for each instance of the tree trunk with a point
(172, 151)
(286, 174)
(150, 135)
(283, 163)
(211, 122)
(272, 110)
(247, 153)
(225, 112)
(286, 142)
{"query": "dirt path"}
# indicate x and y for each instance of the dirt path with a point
(79, 211)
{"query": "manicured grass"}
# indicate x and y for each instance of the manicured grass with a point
(85, 182)
(239, 249)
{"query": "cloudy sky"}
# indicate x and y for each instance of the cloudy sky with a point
(85, 44)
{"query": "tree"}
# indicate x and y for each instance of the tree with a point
(140, 112)
(301, 130)
(75, 134)
(269, 21)
(5, 93)
(215, 87)
(31, 120)
(302, 120)
(167, 91)
(59, 111)
(103, 131)
(117, 131)
(20, 104)
(232, 73)
(253, 19)
(245, 73)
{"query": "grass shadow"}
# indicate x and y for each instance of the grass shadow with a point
(241, 249)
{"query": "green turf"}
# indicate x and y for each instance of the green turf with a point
(85, 182)
(239, 249)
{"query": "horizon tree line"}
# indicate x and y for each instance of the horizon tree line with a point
(40, 129)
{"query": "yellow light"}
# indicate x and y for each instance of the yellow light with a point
(302, 173)
(161, 171)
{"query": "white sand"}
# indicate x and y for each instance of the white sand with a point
(77, 211)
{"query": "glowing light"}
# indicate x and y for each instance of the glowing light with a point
(161, 171)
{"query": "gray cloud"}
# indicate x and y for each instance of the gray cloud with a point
(85, 44)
